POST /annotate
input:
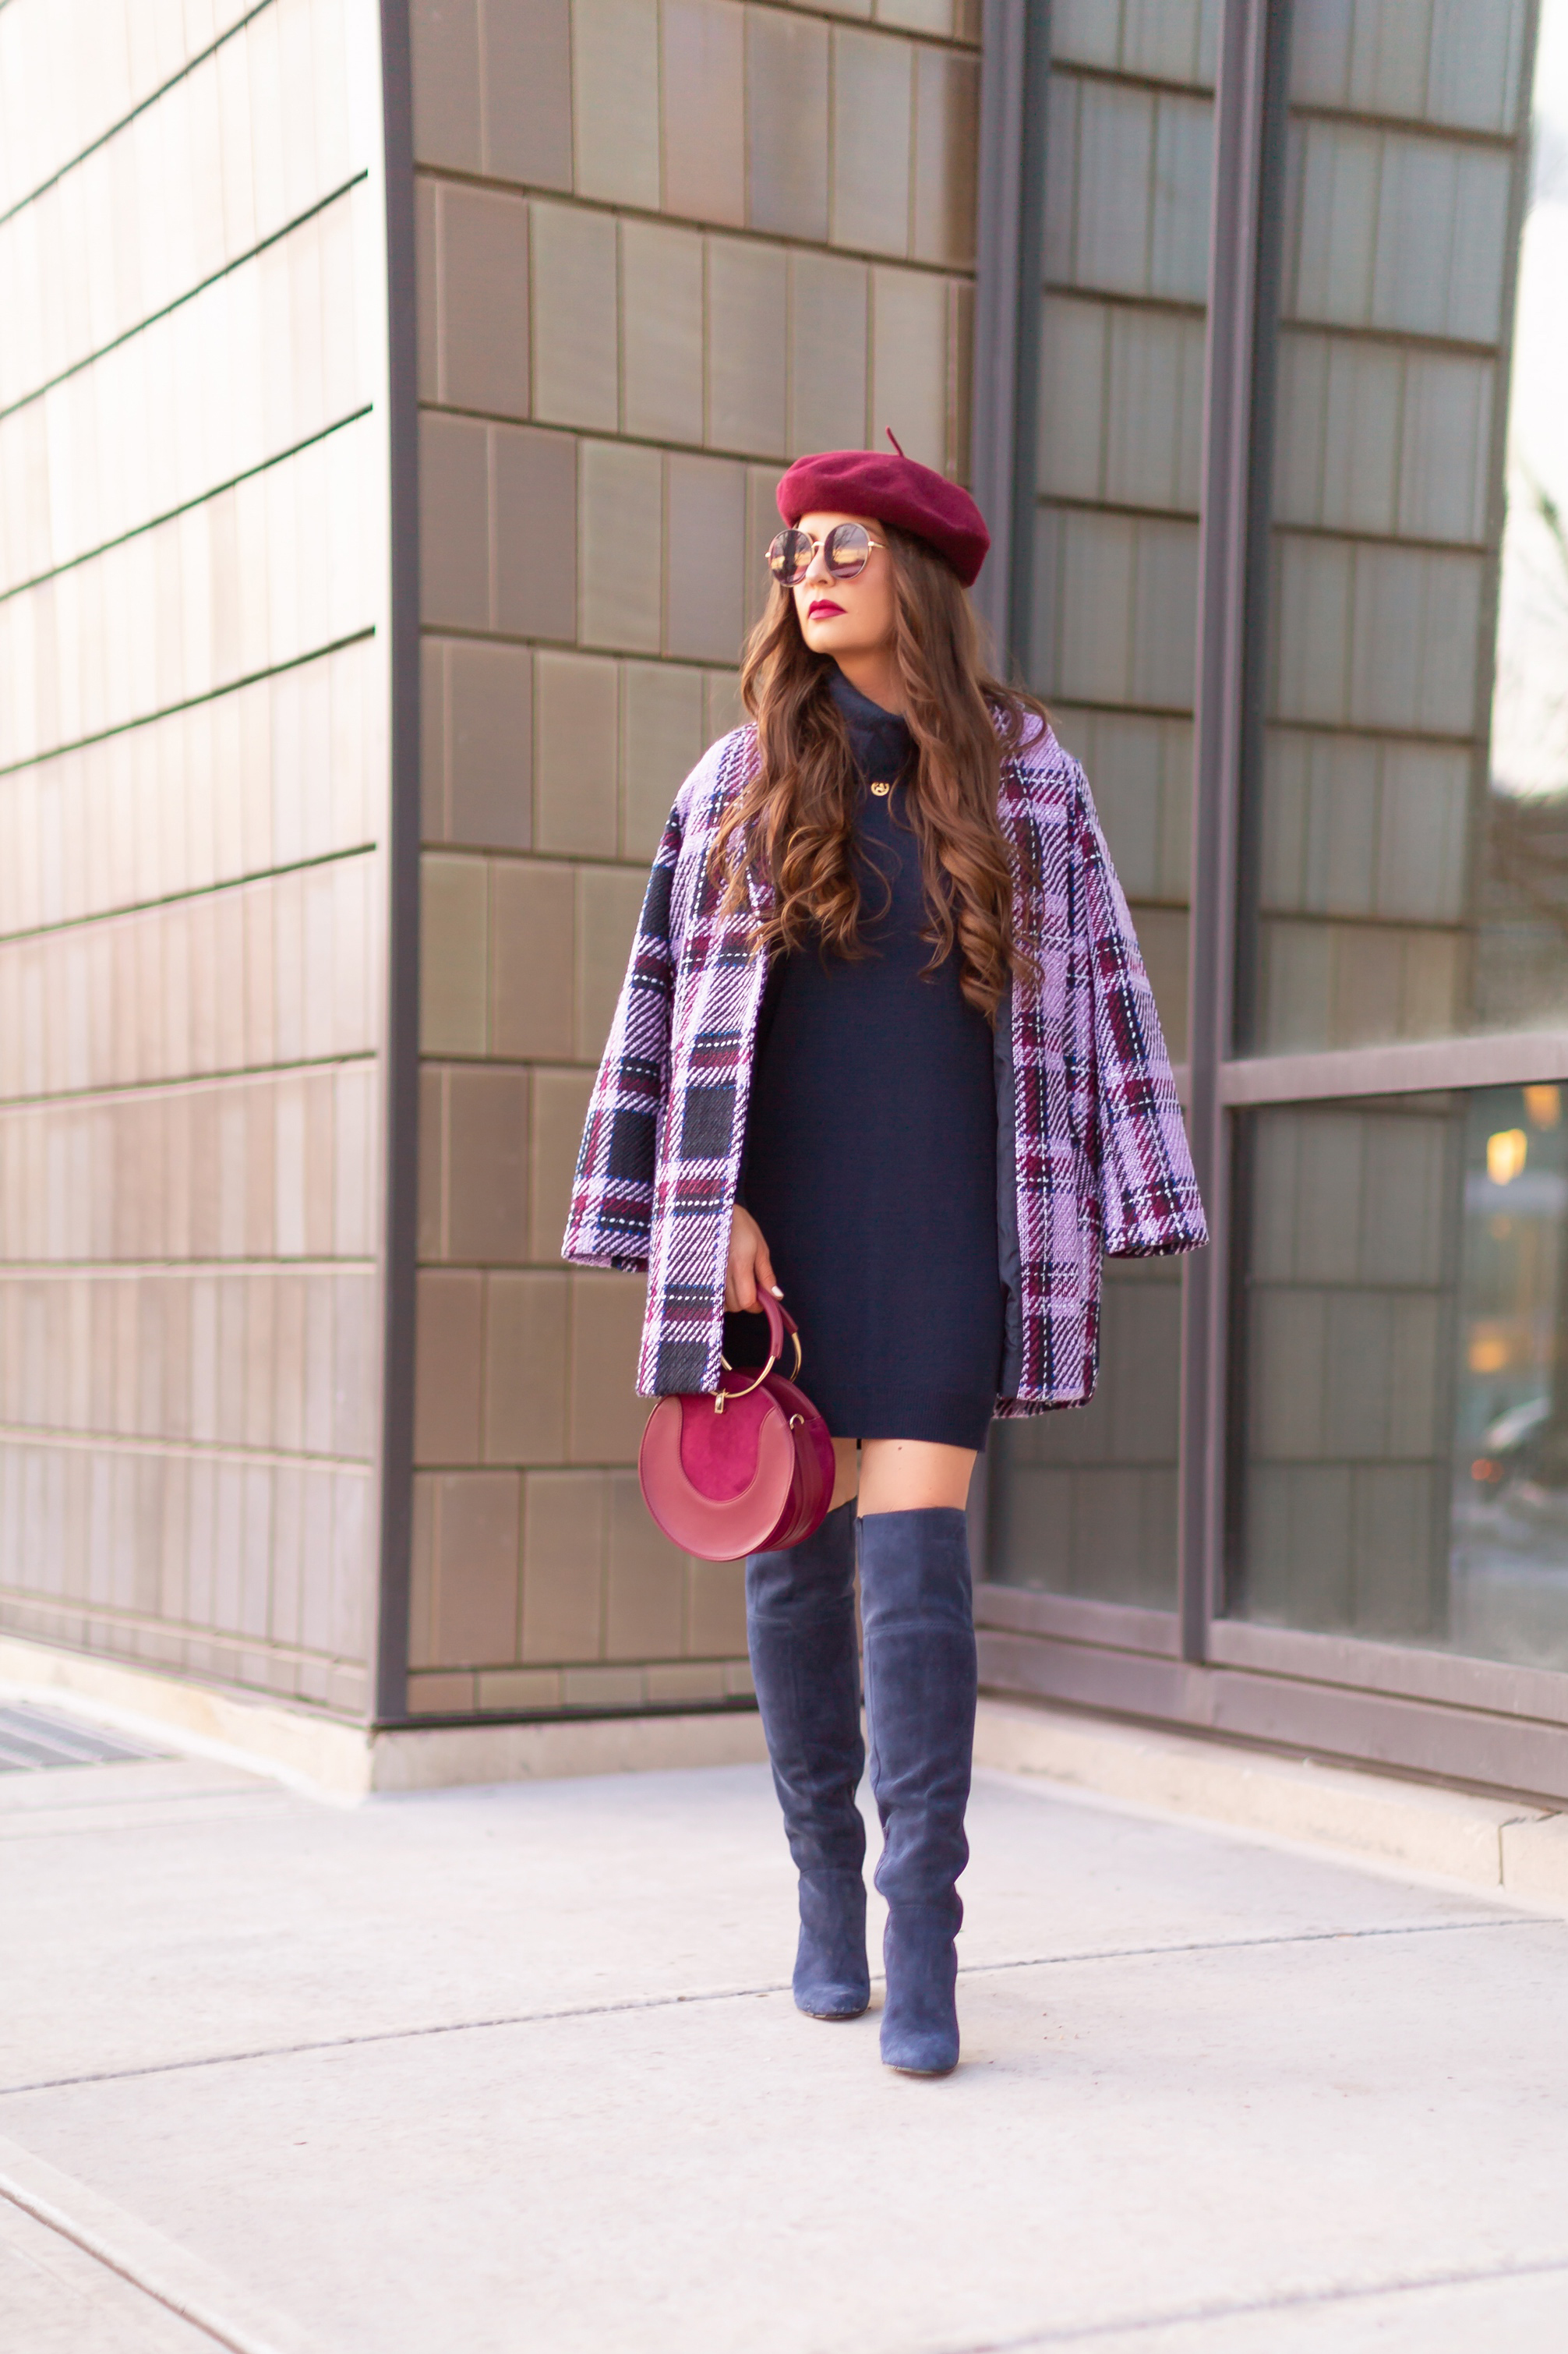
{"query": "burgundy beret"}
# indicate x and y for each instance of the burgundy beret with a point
(896, 490)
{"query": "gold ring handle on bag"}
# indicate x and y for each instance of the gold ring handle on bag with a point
(720, 1395)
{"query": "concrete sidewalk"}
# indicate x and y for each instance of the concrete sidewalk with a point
(515, 2071)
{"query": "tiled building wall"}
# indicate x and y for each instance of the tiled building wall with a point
(192, 789)
(1086, 1503)
(662, 247)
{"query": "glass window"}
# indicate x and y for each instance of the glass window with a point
(1402, 1373)
(1084, 1502)
(1088, 1503)
(1409, 819)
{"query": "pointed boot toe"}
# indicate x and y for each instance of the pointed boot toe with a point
(832, 1978)
(920, 2016)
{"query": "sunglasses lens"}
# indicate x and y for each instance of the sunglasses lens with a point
(790, 557)
(847, 551)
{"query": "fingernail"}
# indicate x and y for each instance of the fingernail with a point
(777, 1293)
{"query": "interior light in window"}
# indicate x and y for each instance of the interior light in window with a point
(1505, 1154)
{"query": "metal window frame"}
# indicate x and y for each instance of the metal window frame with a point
(1424, 1711)
(1015, 71)
(400, 1045)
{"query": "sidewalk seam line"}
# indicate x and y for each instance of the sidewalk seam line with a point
(742, 1994)
(1301, 2300)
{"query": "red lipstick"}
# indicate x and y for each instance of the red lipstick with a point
(821, 605)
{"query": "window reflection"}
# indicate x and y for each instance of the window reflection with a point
(1402, 1375)
(1409, 851)
(1085, 1502)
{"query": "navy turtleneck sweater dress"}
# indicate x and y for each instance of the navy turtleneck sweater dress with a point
(871, 1147)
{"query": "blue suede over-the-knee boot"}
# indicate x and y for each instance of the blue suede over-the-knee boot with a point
(799, 1624)
(917, 1609)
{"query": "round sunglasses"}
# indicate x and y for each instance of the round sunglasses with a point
(846, 552)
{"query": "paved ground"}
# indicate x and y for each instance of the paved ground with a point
(514, 2072)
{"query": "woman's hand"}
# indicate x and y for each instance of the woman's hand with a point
(750, 1264)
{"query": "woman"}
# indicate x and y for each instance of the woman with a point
(886, 1046)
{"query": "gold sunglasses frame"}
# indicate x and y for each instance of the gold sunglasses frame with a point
(817, 548)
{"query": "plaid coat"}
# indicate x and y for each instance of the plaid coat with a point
(1091, 1156)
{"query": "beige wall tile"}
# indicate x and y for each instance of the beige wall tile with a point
(947, 134)
(532, 962)
(528, 91)
(520, 1690)
(609, 901)
(787, 123)
(762, 523)
(738, 1680)
(645, 1590)
(715, 1609)
(560, 1107)
(563, 1565)
(453, 954)
(615, 59)
(748, 345)
(427, 288)
(536, 479)
(704, 110)
(721, 698)
(574, 283)
(919, 15)
(484, 302)
(661, 332)
(960, 375)
(432, 1233)
(448, 1360)
(872, 90)
(620, 536)
(445, 39)
(454, 522)
(577, 724)
(487, 1165)
(705, 550)
(607, 1414)
(909, 361)
(443, 1694)
(477, 1561)
(603, 1687)
(533, 914)
(526, 1366)
(489, 797)
(421, 1564)
(662, 739)
(685, 1686)
(433, 818)
(827, 356)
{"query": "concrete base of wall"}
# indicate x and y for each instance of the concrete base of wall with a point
(343, 1760)
(1489, 1842)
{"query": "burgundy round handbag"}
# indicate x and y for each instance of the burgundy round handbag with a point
(748, 1470)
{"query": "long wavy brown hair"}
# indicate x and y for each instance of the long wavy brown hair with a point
(793, 824)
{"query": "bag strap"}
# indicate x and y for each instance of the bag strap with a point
(780, 1322)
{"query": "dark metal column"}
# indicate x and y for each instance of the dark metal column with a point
(1227, 637)
(400, 1056)
(1014, 75)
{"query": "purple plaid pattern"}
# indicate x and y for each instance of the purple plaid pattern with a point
(1100, 1151)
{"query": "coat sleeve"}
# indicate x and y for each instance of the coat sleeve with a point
(612, 1193)
(1150, 1203)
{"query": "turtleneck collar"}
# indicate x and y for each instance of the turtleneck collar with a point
(879, 739)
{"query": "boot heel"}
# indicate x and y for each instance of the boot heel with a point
(920, 2016)
(832, 1976)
